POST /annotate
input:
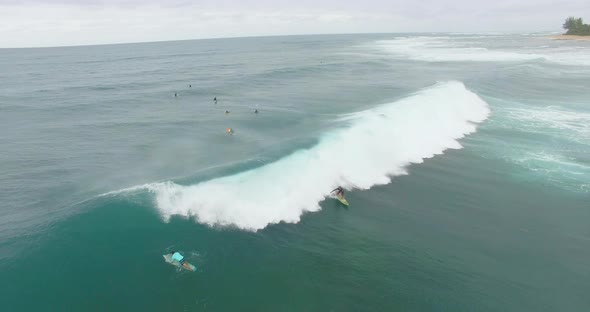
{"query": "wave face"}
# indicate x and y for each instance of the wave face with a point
(377, 145)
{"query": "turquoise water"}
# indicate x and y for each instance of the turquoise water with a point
(465, 158)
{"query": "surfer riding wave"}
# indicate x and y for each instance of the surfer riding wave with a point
(339, 191)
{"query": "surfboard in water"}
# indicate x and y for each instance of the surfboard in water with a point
(187, 266)
(341, 199)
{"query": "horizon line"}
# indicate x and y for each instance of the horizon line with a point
(271, 36)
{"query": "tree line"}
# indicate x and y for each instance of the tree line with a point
(575, 26)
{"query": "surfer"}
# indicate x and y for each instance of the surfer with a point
(227, 112)
(175, 94)
(190, 86)
(177, 256)
(255, 111)
(339, 191)
(215, 99)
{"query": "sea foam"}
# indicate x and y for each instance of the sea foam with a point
(373, 147)
(446, 49)
(469, 49)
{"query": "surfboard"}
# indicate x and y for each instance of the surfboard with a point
(187, 266)
(342, 200)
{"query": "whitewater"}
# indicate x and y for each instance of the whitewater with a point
(376, 145)
(462, 49)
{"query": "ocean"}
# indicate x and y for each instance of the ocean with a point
(465, 159)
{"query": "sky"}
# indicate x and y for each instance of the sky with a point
(42, 23)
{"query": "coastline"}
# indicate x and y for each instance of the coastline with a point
(569, 37)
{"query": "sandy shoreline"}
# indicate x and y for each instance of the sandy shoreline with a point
(569, 37)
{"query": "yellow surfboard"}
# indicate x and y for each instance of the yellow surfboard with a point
(342, 200)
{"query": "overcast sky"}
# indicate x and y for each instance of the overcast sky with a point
(35, 23)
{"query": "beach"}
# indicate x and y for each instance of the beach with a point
(570, 37)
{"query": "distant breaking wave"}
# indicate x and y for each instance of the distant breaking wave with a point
(444, 49)
(456, 49)
(377, 145)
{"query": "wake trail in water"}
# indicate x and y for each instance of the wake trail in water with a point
(377, 144)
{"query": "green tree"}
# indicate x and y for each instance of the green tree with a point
(579, 25)
(576, 26)
(569, 23)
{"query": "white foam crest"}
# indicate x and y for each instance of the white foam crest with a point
(131, 189)
(457, 49)
(377, 145)
(444, 49)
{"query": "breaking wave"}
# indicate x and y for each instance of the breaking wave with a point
(445, 49)
(374, 146)
(462, 49)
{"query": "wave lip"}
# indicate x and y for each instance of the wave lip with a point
(377, 145)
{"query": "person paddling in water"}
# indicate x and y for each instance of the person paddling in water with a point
(180, 258)
(339, 191)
